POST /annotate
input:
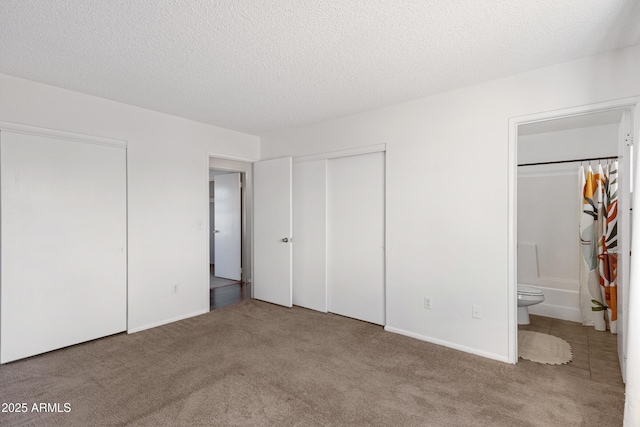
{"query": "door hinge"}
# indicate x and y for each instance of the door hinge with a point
(629, 140)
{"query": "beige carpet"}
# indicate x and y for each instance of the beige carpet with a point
(259, 364)
(543, 348)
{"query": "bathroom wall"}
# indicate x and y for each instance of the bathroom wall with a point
(548, 210)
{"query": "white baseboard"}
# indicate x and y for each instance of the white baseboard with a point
(166, 321)
(448, 344)
(556, 312)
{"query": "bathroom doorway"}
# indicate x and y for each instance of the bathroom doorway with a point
(550, 147)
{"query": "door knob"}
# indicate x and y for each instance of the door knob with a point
(285, 240)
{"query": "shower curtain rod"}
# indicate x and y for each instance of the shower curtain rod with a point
(569, 161)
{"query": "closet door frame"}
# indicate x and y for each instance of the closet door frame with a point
(61, 134)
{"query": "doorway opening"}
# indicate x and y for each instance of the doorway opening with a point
(229, 232)
(547, 150)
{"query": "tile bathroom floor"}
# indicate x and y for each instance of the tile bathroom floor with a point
(595, 354)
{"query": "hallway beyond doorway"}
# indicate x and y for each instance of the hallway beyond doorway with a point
(226, 292)
(216, 282)
(224, 296)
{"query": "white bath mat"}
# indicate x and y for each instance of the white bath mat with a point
(543, 348)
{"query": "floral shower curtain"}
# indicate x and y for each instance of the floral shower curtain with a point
(599, 246)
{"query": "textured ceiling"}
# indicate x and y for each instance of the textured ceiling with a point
(257, 66)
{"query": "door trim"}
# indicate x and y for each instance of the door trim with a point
(245, 168)
(220, 156)
(61, 134)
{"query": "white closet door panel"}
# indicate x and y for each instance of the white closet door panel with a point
(309, 229)
(227, 233)
(272, 275)
(63, 243)
(355, 237)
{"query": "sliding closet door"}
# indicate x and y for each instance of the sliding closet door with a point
(310, 231)
(63, 243)
(355, 236)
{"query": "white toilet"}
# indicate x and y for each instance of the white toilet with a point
(527, 296)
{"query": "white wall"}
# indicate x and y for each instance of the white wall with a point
(548, 206)
(548, 218)
(168, 202)
(582, 142)
(447, 190)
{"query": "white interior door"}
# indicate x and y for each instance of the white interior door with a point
(355, 237)
(212, 227)
(227, 222)
(63, 243)
(272, 231)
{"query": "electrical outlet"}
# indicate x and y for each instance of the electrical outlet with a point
(427, 303)
(175, 289)
(476, 312)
